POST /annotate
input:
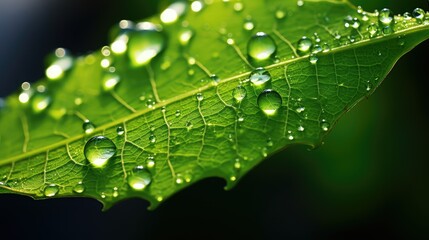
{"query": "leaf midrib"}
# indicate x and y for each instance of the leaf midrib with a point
(206, 87)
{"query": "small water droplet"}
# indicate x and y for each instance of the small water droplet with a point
(120, 131)
(152, 138)
(200, 97)
(98, 150)
(385, 17)
(239, 93)
(88, 126)
(270, 142)
(185, 35)
(196, 6)
(237, 164)
(372, 29)
(300, 3)
(387, 30)
(280, 14)
(145, 43)
(261, 47)
(269, 101)
(51, 190)
(139, 178)
(173, 12)
(351, 22)
(189, 125)
(290, 137)
(60, 62)
(259, 77)
(325, 126)
(300, 109)
(313, 59)
(304, 45)
(110, 80)
(248, 25)
(179, 179)
(419, 15)
(115, 192)
(300, 128)
(103, 195)
(40, 102)
(150, 162)
(79, 188)
(178, 113)
(215, 78)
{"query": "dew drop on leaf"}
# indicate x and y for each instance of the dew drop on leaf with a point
(196, 6)
(385, 17)
(152, 138)
(260, 77)
(145, 43)
(139, 178)
(120, 131)
(173, 12)
(419, 15)
(59, 62)
(51, 190)
(305, 44)
(150, 162)
(185, 35)
(261, 47)
(239, 93)
(110, 80)
(200, 97)
(178, 113)
(313, 59)
(372, 29)
(88, 126)
(98, 150)
(237, 164)
(79, 188)
(248, 25)
(269, 101)
(325, 126)
(40, 102)
(280, 14)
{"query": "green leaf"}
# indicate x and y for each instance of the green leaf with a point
(149, 123)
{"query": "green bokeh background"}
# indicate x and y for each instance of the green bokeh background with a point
(369, 179)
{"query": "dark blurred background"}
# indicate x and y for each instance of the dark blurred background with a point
(369, 180)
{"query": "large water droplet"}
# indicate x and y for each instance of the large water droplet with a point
(51, 190)
(269, 101)
(139, 178)
(98, 150)
(261, 47)
(145, 43)
(259, 77)
(304, 45)
(79, 188)
(88, 126)
(239, 93)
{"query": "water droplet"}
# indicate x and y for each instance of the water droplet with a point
(325, 126)
(88, 126)
(248, 25)
(178, 113)
(270, 142)
(173, 12)
(60, 62)
(40, 102)
(304, 45)
(51, 190)
(120, 131)
(110, 80)
(98, 150)
(290, 137)
(200, 96)
(215, 78)
(300, 128)
(79, 188)
(103, 195)
(269, 101)
(185, 35)
(196, 6)
(352, 22)
(189, 125)
(150, 103)
(300, 3)
(300, 109)
(280, 14)
(259, 77)
(419, 15)
(385, 17)
(145, 43)
(115, 192)
(313, 59)
(150, 162)
(261, 47)
(239, 93)
(237, 164)
(152, 138)
(139, 178)
(387, 30)
(238, 6)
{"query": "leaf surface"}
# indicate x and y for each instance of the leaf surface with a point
(175, 115)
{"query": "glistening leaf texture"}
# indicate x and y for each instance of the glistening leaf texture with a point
(172, 101)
